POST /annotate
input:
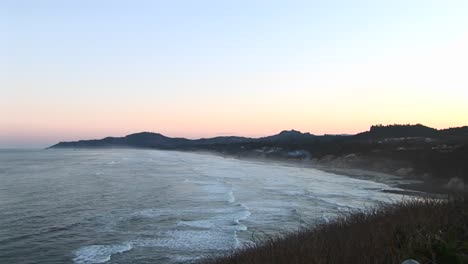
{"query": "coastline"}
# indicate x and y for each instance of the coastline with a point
(409, 185)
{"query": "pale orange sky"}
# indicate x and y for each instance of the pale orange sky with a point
(73, 77)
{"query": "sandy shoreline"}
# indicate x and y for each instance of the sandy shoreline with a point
(408, 185)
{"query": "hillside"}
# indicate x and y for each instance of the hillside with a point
(414, 151)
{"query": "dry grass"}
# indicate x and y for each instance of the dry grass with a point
(429, 231)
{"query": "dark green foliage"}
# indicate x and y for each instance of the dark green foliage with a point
(396, 131)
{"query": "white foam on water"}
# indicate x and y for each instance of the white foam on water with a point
(245, 214)
(207, 224)
(185, 259)
(211, 230)
(225, 218)
(230, 224)
(192, 240)
(230, 196)
(99, 253)
(198, 211)
(151, 213)
(293, 192)
(217, 187)
(161, 212)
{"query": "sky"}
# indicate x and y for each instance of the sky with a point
(88, 69)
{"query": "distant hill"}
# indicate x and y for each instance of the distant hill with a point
(398, 131)
(138, 140)
(222, 140)
(455, 131)
(149, 140)
(397, 149)
(156, 140)
(285, 137)
(288, 136)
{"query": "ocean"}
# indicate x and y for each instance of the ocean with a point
(164, 207)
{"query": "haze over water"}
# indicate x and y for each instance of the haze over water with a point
(147, 206)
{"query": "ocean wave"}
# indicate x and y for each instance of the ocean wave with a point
(230, 196)
(99, 253)
(192, 240)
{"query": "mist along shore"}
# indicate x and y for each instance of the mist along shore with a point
(410, 184)
(435, 160)
(426, 160)
(424, 165)
(430, 229)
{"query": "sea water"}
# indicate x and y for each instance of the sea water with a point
(150, 206)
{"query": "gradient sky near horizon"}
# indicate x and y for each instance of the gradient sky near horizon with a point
(88, 69)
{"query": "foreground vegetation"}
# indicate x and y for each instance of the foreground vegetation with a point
(430, 231)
